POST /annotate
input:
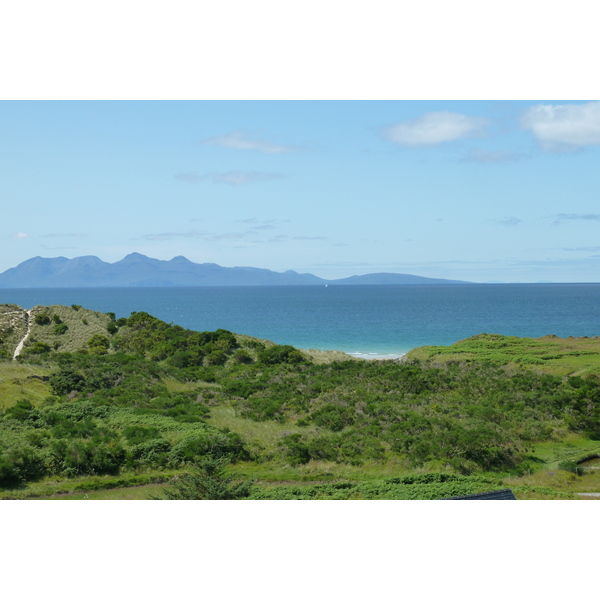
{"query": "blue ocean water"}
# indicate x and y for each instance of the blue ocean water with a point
(371, 321)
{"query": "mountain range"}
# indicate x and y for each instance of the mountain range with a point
(137, 270)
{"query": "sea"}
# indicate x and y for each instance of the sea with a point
(365, 321)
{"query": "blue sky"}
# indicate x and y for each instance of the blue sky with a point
(475, 190)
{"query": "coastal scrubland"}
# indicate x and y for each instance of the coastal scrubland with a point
(100, 407)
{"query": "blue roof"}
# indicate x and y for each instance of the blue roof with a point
(506, 494)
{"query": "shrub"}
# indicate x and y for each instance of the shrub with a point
(296, 452)
(65, 382)
(208, 482)
(243, 387)
(60, 329)
(192, 449)
(138, 435)
(67, 428)
(216, 357)
(186, 358)
(41, 319)
(38, 348)
(153, 452)
(20, 463)
(333, 417)
(74, 458)
(571, 466)
(20, 411)
(98, 344)
(242, 357)
(281, 354)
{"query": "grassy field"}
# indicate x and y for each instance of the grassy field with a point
(548, 354)
(20, 381)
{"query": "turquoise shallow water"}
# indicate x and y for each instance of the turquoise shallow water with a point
(372, 321)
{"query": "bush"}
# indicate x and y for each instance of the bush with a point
(41, 319)
(20, 411)
(333, 417)
(60, 329)
(281, 355)
(153, 452)
(138, 435)
(19, 464)
(98, 344)
(186, 358)
(296, 451)
(217, 357)
(208, 482)
(242, 357)
(74, 458)
(571, 466)
(193, 449)
(65, 382)
(38, 348)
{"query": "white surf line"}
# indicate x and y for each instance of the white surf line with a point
(20, 345)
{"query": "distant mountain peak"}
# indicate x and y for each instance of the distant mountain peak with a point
(138, 270)
(133, 256)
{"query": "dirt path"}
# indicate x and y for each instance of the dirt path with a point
(20, 345)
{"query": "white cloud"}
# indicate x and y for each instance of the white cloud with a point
(236, 140)
(21, 235)
(564, 125)
(435, 128)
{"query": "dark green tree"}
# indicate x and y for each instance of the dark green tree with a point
(208, 481)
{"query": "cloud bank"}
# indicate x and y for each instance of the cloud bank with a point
(435, 128)
(573, 125)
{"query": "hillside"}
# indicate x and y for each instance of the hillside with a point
(137, 270)
(548, 354)
(96, 403)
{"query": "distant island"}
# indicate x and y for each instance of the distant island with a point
(137, 270)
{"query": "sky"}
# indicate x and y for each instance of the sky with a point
(480, 191)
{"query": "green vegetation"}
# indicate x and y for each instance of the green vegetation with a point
(95, 403)
(548, 354)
